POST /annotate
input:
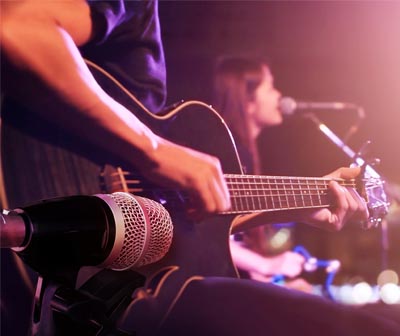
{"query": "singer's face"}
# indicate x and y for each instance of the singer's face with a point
(264, 108)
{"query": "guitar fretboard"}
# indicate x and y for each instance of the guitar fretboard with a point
(250, 193)
(269, 193)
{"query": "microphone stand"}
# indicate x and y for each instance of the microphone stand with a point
(357, 157)
(93, 309)
(369, 172)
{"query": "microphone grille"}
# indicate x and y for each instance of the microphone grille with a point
(148, 231)
(287, 106)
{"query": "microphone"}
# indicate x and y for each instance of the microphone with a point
(117, 231)
(288, 106)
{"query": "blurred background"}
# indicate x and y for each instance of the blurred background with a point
(346, 51)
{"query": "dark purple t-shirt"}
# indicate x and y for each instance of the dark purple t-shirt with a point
(127, 43)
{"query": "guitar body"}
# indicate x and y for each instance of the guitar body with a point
(202, 248)
(40, 161)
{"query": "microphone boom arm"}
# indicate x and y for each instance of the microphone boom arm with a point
(374, 191)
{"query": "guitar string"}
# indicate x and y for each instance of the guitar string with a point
(238, 177)
(249, 183)
(258, 176)
(307, 190)
(266, 202)
(280, 180)
(244, 192)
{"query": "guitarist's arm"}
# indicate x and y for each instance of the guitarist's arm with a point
(44, 69)
(349, 207)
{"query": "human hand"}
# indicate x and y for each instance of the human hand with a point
(349, 205)
(198, 174)
(288, 263)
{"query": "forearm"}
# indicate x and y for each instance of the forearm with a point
(42, 58)
(248, 260)
(44, 63)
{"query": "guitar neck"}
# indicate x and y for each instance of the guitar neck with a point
(270, 193)
(249, 193)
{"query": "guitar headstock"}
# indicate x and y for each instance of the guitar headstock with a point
(372, 188)
(376, 198)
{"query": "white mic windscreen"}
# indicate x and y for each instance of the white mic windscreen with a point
(287, 106)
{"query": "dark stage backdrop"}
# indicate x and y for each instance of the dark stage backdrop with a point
(319, 51)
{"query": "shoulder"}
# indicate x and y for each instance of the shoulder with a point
(73, 16)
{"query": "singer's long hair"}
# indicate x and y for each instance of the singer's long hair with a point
(236, 78)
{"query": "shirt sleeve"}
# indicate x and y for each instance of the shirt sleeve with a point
(127, 43)
(106, 15)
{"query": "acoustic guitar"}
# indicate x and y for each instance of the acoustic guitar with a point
(42, 162)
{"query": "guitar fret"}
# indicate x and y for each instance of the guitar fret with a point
(301, 194)
(309, 193)
(249, 196)
(309, 201)
(241, 200)
(282, 198)
(272, 196)
(285, 194)
(251, 187)
(263, 196)
(319, 196)
(265, 188)
(256, 201)
(236, 206)
(276, 194)
(242, 193)
(293, 193)
(121, 176)
(279, 195)
(258, 206)
(235, 196)
(246, 193)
